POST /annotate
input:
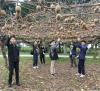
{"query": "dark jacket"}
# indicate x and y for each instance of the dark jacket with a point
(13, 52)
(73, 50)
(82, 53)
(41, 50)
(53, 53)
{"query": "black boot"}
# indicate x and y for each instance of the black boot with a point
(18, 84)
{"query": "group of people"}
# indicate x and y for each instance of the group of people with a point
(78, 50)
(39, 50)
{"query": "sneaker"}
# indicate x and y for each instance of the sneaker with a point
(78, 74)
(53, 74)
(82, 75)
(37, 67)
(34, 67)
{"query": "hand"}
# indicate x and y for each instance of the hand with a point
(77, 56)
(58, 40)
(10, 33)
(78, 39)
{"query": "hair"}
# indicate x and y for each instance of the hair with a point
(13, 36)
(83, 41)
(52, 41)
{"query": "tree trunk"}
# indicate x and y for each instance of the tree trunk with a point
(95, 52)
(64, 48)
(2, 3)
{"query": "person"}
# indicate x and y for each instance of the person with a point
(53, 56)
(73, 55)
(81, 58)
(42, 54)
(35, 55)
(13, 58)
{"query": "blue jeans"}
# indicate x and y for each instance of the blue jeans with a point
(35, 60)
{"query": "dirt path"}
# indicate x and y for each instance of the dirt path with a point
(41, 80)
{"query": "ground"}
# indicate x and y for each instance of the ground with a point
(41, 80)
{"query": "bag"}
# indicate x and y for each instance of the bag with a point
(31, 52)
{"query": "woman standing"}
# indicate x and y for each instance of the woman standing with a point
(53, 56)
(35, 55)
(42, 54)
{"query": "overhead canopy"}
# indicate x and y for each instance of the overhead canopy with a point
(44, 25)
(11, 1)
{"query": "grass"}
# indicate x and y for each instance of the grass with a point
(90, 52)
(61, 60)
(24, 60)
(26, 71)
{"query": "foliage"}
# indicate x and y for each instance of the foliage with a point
(26, 8)
(2, 4)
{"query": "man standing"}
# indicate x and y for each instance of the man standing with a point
(73, 54)
(13, 59)
(81, 63)
(53, 56)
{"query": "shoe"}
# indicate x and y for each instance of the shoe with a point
(34, 67)
(71, 66)
(82, 76)
(18, 84)
(78, 74)
(53, 74)
(37, 67)
(9, 85)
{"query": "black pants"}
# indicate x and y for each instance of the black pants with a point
(73, 61)
(13, 66)
(42, 58)
(81, 67)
